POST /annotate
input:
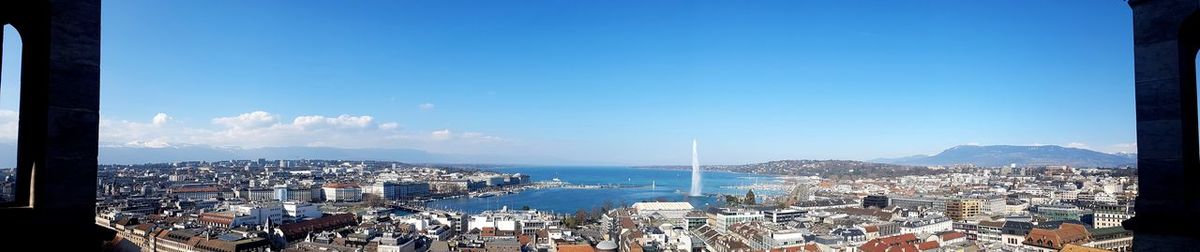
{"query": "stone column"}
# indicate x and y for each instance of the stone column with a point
(1165, 39)
(59, 122)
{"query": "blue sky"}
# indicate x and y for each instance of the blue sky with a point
(618, 81)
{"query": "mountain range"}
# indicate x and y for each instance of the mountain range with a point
(808, 167)
(1003, 155)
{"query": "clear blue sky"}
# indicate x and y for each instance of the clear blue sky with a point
(620, 81)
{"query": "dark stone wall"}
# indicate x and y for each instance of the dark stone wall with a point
(1166, 36)
(59, 123)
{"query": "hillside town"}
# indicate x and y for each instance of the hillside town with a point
(331, 205)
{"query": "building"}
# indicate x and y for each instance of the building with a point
(695, 219)
(295, 232)
(256, 194)
(925, 225)
(301, 210)
(720, 219)
(959, 209)
(1014, 232)
(675, 211)
(189, 240)
(197, 192)
(927, 203)
(1111, 215)
(821, 204)
(244, 215)
(509, 223)
(903, 242)
(304, 194)
(1053, 240)
(994, 204)
(782, 215)
(517, 179)
(454, 186)
(879, 201)
(1111, 238)
(766, 236)
(990, 232)
(342, 192)
(403, 190)
(281, 193)
(1061, 212)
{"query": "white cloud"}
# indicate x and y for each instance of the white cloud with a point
(1123, 148)
(389, 126)
(480, 137)
(8, 126)
(160, 142)
(161, 118)
(425, 106)
(441, 134)
(342, 121)
(1077, 145)
(263, 129)
(8, 123)
(256, 119)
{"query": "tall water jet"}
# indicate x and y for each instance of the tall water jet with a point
(695, 171)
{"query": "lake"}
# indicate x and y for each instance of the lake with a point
(671, 185)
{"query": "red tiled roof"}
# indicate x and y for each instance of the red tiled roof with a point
(928, 245)
(952, 236)
(1067, 233)
(297, 230)
(225, 218)
(575, 248)
(144, 226)
(904, 248)
(891, 243)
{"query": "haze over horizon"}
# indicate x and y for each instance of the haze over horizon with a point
(614, 82)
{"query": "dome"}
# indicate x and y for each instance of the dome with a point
(606, 245)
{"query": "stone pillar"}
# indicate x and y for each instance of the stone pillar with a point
(1165, 45)
(59, 123)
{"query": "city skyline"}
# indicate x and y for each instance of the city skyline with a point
(546, 125)
(608, 83)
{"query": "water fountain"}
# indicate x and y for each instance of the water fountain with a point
(695, 171)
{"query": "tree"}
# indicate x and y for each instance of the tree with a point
(570, 222)
(525, 207)
(372, 200)
(749, 197)
(731, 200)
(582, 216)
(597, 212)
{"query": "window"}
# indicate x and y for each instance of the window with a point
(10, 84)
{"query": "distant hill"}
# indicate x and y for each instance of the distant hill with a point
(1003, 155)
(820, 168)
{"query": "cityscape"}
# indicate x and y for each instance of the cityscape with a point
(364, 205)
(564, 126)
